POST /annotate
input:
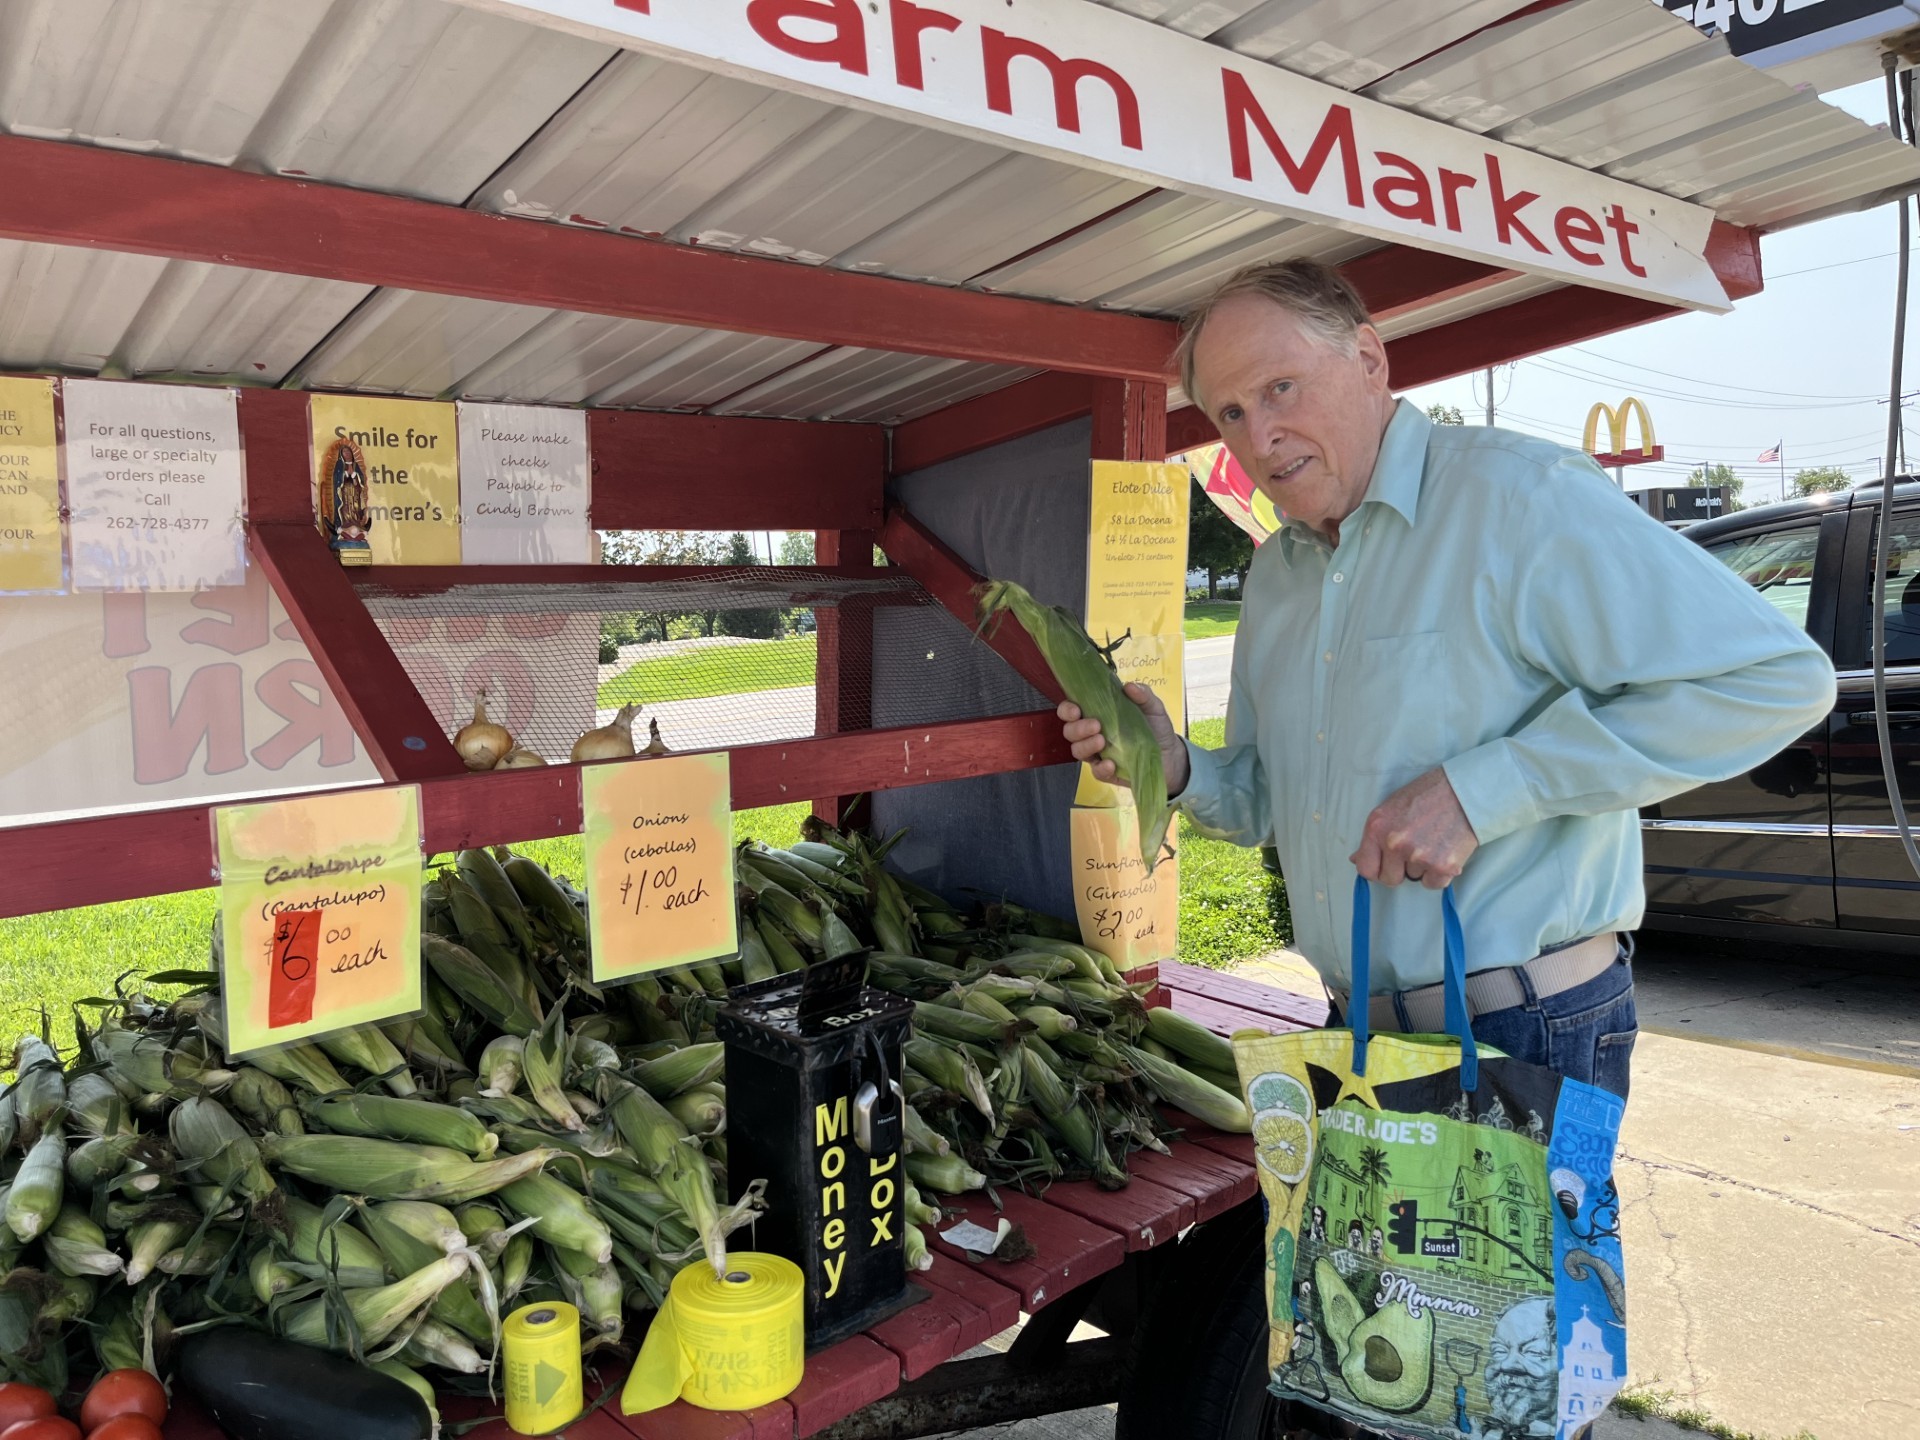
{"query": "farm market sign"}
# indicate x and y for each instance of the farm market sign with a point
(1088, 85)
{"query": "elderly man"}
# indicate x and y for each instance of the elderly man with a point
(1465, 659)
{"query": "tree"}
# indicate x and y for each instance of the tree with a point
(1821, 480)
(1445, 415)
(754, 624)
(1719, 474)
(655, 547)
(1214, 543)
(1375, 1171)
(797, 548)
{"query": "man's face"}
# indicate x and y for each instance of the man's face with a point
(1303, 420)
(1523, 1379)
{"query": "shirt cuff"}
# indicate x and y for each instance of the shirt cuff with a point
(1492, 790)
(1202, 793)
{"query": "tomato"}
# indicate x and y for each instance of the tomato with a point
(46, 1427)
(24, 1402)
(125, 1427)
(122, 1392)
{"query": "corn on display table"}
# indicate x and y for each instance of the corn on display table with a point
(1079, 1233)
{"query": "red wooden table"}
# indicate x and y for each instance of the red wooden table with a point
(1078, 1231)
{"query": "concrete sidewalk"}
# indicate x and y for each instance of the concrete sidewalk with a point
(1772, 1230)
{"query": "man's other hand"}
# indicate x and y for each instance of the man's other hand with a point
(1417, 833)
(1086, 741)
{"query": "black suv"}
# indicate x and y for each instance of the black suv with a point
(1807, 840)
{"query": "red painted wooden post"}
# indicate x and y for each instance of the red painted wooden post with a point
(401, 735)
(1129, 420)
(843, 678)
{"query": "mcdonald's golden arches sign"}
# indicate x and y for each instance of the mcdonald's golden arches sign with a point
(1616, 452)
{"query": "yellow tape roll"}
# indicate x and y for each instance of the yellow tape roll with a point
(723, 1342)
(542, 1354)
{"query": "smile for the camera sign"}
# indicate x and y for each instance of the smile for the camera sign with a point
(1097, 88)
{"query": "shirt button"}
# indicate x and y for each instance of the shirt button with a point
(1328, 657)
(1338, 577)
(1367, 529)
(1321, 736)
(1316, 817)
(1320, 895)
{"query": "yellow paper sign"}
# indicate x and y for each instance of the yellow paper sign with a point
(319, 914)
(406, 455)
(1129, 916)
(1137, 585)
(659, 863)
(30, 550)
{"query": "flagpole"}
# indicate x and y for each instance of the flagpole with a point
(1783, 472)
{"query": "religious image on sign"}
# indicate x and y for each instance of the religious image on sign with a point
(343, 502)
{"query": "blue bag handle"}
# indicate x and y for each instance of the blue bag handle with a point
(1455, 980)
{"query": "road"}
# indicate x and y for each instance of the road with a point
(1209, 667)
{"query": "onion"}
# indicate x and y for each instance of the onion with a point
(518, 759)
(612, 741)
(482, 743)
(655, 745)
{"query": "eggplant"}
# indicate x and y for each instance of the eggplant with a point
(257, 1387)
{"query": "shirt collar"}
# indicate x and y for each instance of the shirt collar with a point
(1397, 472)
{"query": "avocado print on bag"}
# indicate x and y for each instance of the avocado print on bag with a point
(1443, 1263)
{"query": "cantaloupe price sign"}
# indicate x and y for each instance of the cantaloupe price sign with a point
(659, 836)
(319, 914)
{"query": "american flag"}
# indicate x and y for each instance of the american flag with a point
(1769, 457)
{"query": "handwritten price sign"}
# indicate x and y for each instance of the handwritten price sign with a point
(659, 863)
(1126, 914)
(319, 914)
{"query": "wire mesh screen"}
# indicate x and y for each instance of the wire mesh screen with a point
(731, 657)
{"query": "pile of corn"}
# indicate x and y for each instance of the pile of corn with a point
(390, 1192)
(1032, 1060)
(393, 1191)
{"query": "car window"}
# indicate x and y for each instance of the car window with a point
(1779, 564)
(1903, 589)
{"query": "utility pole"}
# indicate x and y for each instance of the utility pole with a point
(1489, 395)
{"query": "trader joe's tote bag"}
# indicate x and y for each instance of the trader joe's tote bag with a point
(1443, 1232)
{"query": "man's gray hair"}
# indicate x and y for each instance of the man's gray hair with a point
(1317, 295)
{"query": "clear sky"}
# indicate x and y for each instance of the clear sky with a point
(1804, 363)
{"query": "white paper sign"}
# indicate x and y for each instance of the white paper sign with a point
(154, 486)
(524, 486)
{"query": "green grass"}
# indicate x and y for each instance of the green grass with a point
(1230, 908)
(1211, 617)
(715, 670)
(1643, 1402)
(66, 955)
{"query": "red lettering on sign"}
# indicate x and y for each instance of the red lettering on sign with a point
(245, 606)
(165, 739)
(1452, 182)
(1572, 224)
(533, 627)
(310, 717)
(847, 48)
(1000, 50)
(640, 5)
(124, 626)
(295, 970)
(1335, 130)
(464, 629)
(1507, 208)
(1621, 226)
(910, 22)
(1411, 182)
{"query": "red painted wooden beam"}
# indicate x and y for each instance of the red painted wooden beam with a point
(655, 471)
(1021, 409)
(155, 852)
(146, 205)
(402, 738)
(1397, 279)
(1129, 420)
(951, 581)
(439, 579)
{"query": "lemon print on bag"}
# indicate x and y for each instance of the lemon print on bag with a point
(1284, 1144)
(1275, 1091)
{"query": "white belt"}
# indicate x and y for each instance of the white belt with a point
(1501, 989)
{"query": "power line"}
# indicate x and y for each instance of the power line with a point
(1665, 393)
(1716, 384)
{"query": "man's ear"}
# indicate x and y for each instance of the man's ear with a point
(1373, 358)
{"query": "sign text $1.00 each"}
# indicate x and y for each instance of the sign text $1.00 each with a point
(659, 840)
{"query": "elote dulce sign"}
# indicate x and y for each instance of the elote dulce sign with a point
(1098, 88)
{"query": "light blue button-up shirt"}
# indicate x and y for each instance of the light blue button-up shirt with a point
(1498, 608)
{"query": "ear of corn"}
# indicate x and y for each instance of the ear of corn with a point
(386, 1170)
(77, 1246)
(303, 1065)
(944, 1174)
(1190, 1038)
(560, 1215)
(367, 1047)
(373, 1314)
(1091, 682)
(1182, 1088)
(667, 1153)
(683, 1069)
(33, 1200)
(480, 870)
(264, 1100)
(386, 1117)
(464, 973)
(331, 1242)
(543, 1060)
